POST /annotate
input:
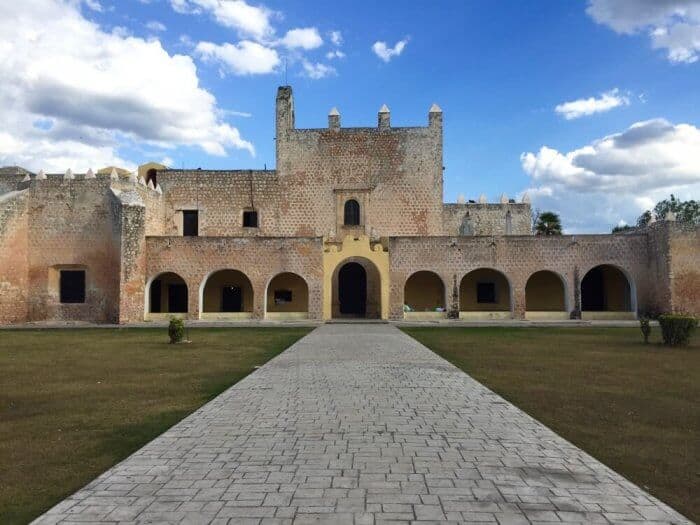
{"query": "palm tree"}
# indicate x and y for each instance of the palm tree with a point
(548, 223)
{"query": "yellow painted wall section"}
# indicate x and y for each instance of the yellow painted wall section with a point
(334, 255)
(293, 283)
(424, 292)
(467, 291)
(544, 292)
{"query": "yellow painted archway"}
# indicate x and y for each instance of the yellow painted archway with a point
(360, 247)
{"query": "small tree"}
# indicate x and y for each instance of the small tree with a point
(645, 327)
(548, 223)
(176, 330)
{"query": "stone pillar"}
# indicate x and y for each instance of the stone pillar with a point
(384, 118)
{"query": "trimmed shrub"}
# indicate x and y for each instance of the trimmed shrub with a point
(676, 329)
(176, 330)
(645, 328)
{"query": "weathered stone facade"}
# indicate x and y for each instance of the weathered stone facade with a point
(337, 229)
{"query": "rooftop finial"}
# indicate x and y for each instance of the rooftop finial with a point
(334, 119)
(41, 175)
(526, 198)
(69, 174)
(504, 198)
(27, 178)
(482, 199)
(384, 118)
(113, 175)
(435, 109)
(90, 174)
(150, 184)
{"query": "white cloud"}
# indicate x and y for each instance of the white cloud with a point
(250, 21)
(335, 53)
(304, 38)
(244, 58)
(94, 5)
(617, 177)
(93, 91)
(387, 53)
(672, 25)
(589, 106)
(154, 25)
(336, 37)
(317, 70)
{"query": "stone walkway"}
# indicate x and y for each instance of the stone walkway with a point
(360, 424)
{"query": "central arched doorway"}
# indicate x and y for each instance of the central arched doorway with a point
(356, 290)
(352, 290)
(226, 295)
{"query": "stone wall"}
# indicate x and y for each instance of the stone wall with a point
(518, 257)
(70, 227)
(394, 173)
(486, 219)
(14, 275)
(684, 250)
(260, 259)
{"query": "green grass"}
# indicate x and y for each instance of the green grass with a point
(75, 402)
(634, 407)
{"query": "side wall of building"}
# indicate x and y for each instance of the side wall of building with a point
(684, 249)
(70, 227)
(14, 274)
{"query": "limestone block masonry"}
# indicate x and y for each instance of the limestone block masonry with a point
(348, 215)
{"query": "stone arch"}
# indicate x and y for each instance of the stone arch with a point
(424, 295)
(485, 293)
(608, 292)
(166, 294)
(226, 294)
(545, 296)
(287, 297)
(357, 290)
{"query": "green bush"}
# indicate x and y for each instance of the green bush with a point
(176, 330)
(645, 328)
(676, 329)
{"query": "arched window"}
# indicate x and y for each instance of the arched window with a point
(151, 176)
(352, 213)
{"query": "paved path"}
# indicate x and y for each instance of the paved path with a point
(360, 424)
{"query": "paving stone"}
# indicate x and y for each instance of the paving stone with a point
(360, 424)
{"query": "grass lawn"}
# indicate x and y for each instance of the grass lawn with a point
(634, 407)
(75, 402)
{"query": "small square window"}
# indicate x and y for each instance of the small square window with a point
(190, 223)
(72, 286)
(283, 296)
(250, 219)
(486, 292)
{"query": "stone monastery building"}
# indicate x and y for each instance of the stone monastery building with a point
(351, 224)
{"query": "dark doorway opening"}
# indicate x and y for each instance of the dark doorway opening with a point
(156, 290)
(593, 291)
(177, 298)
(352, 289)
(231, 299)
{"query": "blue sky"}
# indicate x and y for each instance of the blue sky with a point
(193, 82)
